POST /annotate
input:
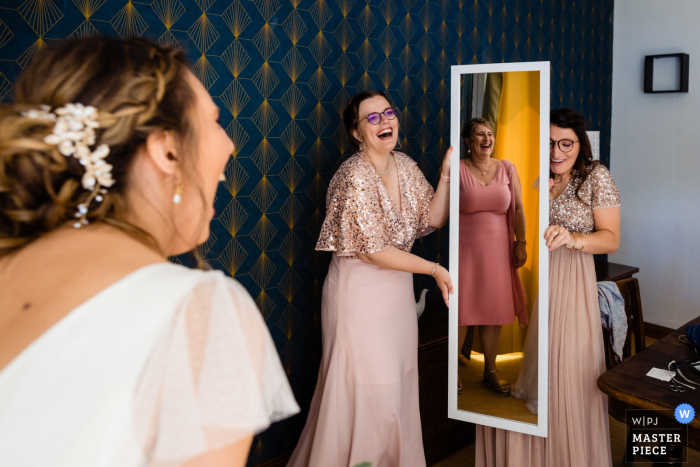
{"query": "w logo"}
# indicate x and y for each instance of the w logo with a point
(685, 413)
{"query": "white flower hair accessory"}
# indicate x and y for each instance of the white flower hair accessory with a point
(73, 134)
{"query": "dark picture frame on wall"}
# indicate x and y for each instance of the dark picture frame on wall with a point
(683, 63)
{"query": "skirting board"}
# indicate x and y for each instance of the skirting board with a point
(655, 331)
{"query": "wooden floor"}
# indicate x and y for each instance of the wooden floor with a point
(618, 436)
(480, 399)
(463, 458)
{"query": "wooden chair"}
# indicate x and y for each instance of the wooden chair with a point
(629, 289)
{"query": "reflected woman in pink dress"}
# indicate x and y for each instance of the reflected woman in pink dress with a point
(365, 407)
(491, 247)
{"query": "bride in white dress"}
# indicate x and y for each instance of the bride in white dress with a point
(110, 355)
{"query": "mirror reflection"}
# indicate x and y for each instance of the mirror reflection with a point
(498, 268)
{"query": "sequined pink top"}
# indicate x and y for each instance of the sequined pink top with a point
(361, 215)
(599, 191)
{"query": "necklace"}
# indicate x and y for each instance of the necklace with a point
(388, 165)
(562, 181)
(482, 166)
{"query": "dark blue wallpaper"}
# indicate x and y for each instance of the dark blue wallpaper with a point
(281, 71)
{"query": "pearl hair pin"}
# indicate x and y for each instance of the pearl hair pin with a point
(73, 134)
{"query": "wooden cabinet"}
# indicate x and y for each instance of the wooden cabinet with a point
(613, 272)
(442, 436)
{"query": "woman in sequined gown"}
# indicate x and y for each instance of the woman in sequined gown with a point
(584, 217)
(365, 407)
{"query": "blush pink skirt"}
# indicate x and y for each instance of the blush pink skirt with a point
(578, 431)
(365, 407)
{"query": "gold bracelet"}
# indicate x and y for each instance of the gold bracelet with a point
(444, 177)
(583, 240)
(575, 240)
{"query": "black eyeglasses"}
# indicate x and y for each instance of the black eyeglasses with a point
(376, 117)
(565, 145)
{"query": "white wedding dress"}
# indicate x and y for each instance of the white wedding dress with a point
(164, 365)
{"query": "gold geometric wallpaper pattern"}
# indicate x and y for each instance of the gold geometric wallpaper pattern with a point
(281, 71)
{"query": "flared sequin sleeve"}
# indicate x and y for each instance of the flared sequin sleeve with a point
(355, 222)
(420, 193)
(213, 378)
(604, 193)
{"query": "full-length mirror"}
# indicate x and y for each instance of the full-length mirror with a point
(498, 261)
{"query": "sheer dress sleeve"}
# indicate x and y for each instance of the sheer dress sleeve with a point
(354, 221)
(214, 377)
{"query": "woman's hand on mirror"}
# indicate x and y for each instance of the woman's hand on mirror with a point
(444, 282)
(519, 255)
(446, 162)
(556, 236)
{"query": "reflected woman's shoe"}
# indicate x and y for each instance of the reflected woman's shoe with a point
(499, 386)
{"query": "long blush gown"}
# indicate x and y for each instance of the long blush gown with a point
(578, 432)
(490, 290)
(365, 407)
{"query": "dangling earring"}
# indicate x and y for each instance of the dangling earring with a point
(361, 150)
(177, 197)
(398, 141)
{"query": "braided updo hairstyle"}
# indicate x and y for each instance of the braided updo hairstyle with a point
(137, 87)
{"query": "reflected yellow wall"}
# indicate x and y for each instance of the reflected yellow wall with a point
(517, 140)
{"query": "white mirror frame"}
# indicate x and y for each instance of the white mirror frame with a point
(543, 280)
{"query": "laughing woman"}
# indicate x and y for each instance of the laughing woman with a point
(365, 408)
(584, 219)
(491, 247)
(111, 356)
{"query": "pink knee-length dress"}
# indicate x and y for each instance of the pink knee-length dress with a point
(365, 407)
(490, 290)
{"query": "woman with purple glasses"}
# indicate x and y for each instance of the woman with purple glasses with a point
(365, 408)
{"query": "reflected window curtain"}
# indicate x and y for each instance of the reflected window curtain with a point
(518, 141)
(492, 99)
(467, 86)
